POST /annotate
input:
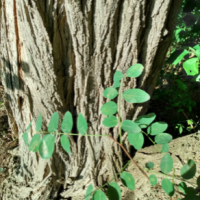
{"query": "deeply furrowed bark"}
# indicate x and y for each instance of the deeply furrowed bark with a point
(60, 56)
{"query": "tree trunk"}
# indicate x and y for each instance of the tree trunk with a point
(60, 56)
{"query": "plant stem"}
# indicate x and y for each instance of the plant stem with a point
(72, 134)
(188, 119)
(130, 157)
(153, 142)
(120, 93)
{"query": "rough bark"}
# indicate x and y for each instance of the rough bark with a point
(60, 56)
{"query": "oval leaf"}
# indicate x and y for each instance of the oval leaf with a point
(114, 192)
(136, 139)
(29, 126)
(182, 187)
(128, 180)
(135, 96)
(135, 70)
(191, 66)
(149, 165)
(35, 143)
(145, 120)
(117, 76)
(166, 163)
(116, 84)
(82, 124)
(110, 93)
(89, 192)
(53, 124)
(39, 123)
(67, 123)
(99, 195)
(190, 191)
(165, 148)
(25, 137)
(110, 121)
(188, 170)
(64, 140)
(163, 138)
(153, 179)
(168, 187)
(198, 181)
(156, 128)
(47, 146)
(130, 126)
(109, 108)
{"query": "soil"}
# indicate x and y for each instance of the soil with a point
(7, 138)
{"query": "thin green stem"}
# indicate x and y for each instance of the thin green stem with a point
(165, 175)
(153, 142)
(72, 134)
(119, 120)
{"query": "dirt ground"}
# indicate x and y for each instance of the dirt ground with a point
(7, 140)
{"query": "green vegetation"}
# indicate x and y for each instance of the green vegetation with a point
(135, 131)
(178, 96)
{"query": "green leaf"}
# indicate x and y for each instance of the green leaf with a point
(197, 78)
(198, 181)
(189, 121)
(109, 108)
(114, 192)
(135, 96)
(145, 120)
(136, 139)
(53, 124)
(116, 84)
(110, 93)
(130, 126)
(180, 57)
(99, 195)
(156, 128)
(168, 187)
(89, 192)
(181, 85)
(149, 165)
(196, 47)
(153, 179)
(165, 148)
(197, 53)
(110, 121)
(39, 123)
(82, 124)
(64, 140)
(190, 191)
(166, 163)
(191, 66)
(29, 126)
(163, 138)
(47, 146)
(35, 143)
(180, 129)
(67, 122)
(1, 169)
(188, 170)
(128, 180)
(189, 197)
(135, 70)
(117, 76)
(182, 187)
(25, 137)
